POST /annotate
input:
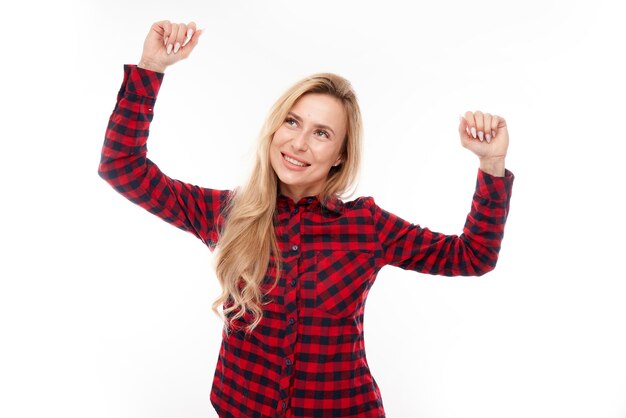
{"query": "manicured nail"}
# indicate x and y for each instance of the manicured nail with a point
(467, 130)
(165, 40)
(473, 132)
(488, 138)
(188, 38)
(169, 48)
(480, 135)
(176, 47)
(493, 134)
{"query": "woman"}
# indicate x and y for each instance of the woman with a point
(294, 261)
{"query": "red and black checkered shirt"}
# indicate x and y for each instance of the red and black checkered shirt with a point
(307, 357)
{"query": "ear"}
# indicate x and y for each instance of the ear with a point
(338, 162)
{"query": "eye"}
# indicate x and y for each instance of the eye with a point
(322, 133)
(291, 121)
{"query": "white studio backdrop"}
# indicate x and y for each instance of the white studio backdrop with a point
(105, 309)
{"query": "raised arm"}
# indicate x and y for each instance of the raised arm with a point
(475, 251)
(124, 163)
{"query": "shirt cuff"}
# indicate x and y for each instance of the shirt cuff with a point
(141, 82)
(494, 188)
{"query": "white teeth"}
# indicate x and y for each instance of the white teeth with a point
(295, 162)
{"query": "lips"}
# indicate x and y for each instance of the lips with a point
(295, 161)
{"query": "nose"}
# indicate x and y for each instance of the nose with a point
(299, 141)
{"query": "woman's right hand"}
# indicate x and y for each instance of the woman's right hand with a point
(168, 43)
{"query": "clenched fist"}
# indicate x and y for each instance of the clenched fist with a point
(486, 136)
(168, 43)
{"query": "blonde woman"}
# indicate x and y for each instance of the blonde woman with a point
(296, 262)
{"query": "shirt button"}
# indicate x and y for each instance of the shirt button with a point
(288, 362)
(284, 405)
(293, 283)
(291, 321)
(294, 248)
(296, 210)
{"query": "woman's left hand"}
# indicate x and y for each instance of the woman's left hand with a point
(486, 136)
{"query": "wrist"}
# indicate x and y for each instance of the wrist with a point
(493, 166)
(149, 65)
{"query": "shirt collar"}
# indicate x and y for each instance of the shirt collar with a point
(333, 203)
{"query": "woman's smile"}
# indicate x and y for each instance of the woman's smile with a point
(291, 161)
(308, 144)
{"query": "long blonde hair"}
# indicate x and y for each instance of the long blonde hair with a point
(247, 241)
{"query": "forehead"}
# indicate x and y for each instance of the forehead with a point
(321, 108)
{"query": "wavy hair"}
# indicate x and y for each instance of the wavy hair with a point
(247, 243)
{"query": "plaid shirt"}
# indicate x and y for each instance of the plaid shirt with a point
(307, 356)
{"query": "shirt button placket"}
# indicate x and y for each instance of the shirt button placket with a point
(293, 242)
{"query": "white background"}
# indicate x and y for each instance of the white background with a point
(105, 309)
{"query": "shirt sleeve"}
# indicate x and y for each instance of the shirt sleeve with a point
(473, 253)
(125, 166)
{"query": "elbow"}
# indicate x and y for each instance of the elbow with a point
(484, 268)
(104, 171)
(484, 271)
(479, 264)
(483, 260)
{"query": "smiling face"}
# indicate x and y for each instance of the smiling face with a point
(308, 144)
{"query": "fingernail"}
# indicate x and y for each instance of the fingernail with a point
(467, 130)
(480, 135)
(176, 47)
(488, 138)
(165, 40)
(493, 134)
(473, 132)
(188, 38)
(169, 48)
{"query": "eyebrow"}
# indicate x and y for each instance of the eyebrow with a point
(318, 125)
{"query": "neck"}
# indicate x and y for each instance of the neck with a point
(295, 194)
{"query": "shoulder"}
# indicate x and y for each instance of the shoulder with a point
(362, 203)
